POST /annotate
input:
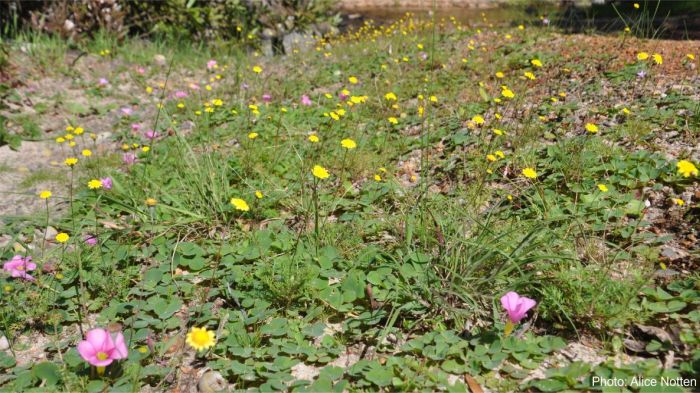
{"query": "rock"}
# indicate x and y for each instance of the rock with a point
(4, 344)
(305, 372)
(159, 59)
(212, 381)
(51, 233)
(673, 253)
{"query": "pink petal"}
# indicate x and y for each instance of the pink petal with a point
(87, 351)
(120, 347)
(98, 338)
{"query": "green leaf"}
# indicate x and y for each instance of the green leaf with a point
(47, 372)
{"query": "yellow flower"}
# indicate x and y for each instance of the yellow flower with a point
(78, 130)
(691, 56)
(592, 128)
(536, 62)
(530, 75)
(257, 69)
(94, 184)
(657, 58)
(478, 119)
(499, 74)
(393, 120)
(145, 149)
(240, 204)
(642, 56)
(377, 178)
(45, 194)
(626, 111)
(636, 6)
(603, 187)
(60, 139)
(149, 89)
(71, 161)
(313, 138)
(217, 102)
(353, 80)
(320, 172)
(201, 338)
(151, 202)
(69, 137)
(686, 168)
(499, 154)
(497, 131)
(530, 173)
(491, 157)
(259, 194)
(252, 135)
(390, 96)
(348, 144)
(86, 153)
(678, 201)
(62, 237)
(507, 93)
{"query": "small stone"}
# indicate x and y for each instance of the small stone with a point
(211, 381)
(673, 253)
(51, 233)
(159, 59)
(4, 344)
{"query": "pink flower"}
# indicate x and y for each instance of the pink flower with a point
(126, 111)
(106, 183)
(180, 94)
(343, 96)
(129, 158)
(150, 134)
(516, 306)
(194, 86)
(141, 70)
(266, 98)
(100, 349)
(305, 100)
(103, 82)
(90, 240)
(18, 267)
(211, 64)
(135, 126)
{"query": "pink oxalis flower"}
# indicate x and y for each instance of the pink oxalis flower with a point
(90, 240)
(305, 100)
(106, 183)
(517, 307)
(266, 98)
(211, 64)
(129, 158)
(100, 349)
(19, 266)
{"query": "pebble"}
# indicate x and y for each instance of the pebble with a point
(4, 344)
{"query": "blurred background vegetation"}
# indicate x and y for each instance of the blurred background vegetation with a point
(196, 19)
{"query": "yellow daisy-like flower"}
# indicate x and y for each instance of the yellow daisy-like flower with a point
(678, 201)
(353, 80)
(348, 144)
(151, 202)
(530, 75)
(313, 138)
(320, 172)
(499, 74)
(62, 237)
(690, 56)
(393, 120)
(78, 130)
(259, 194)
(240, 204)
(377, 178)
(687, 168)
(390, 96)
(46, 194)
(257, 69)
(530, 173)
(86, 153)
(536, 62)
(71, 161)
(478, 119)
(497, 131)
(642, 56)
(657, 58)
(252, 135)
(603, 188)
(507, 93)
(149, 89)
(60, 139)
(491, 157)
(636, 6)
(592, 128)
(201, 338)
(94, 184)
